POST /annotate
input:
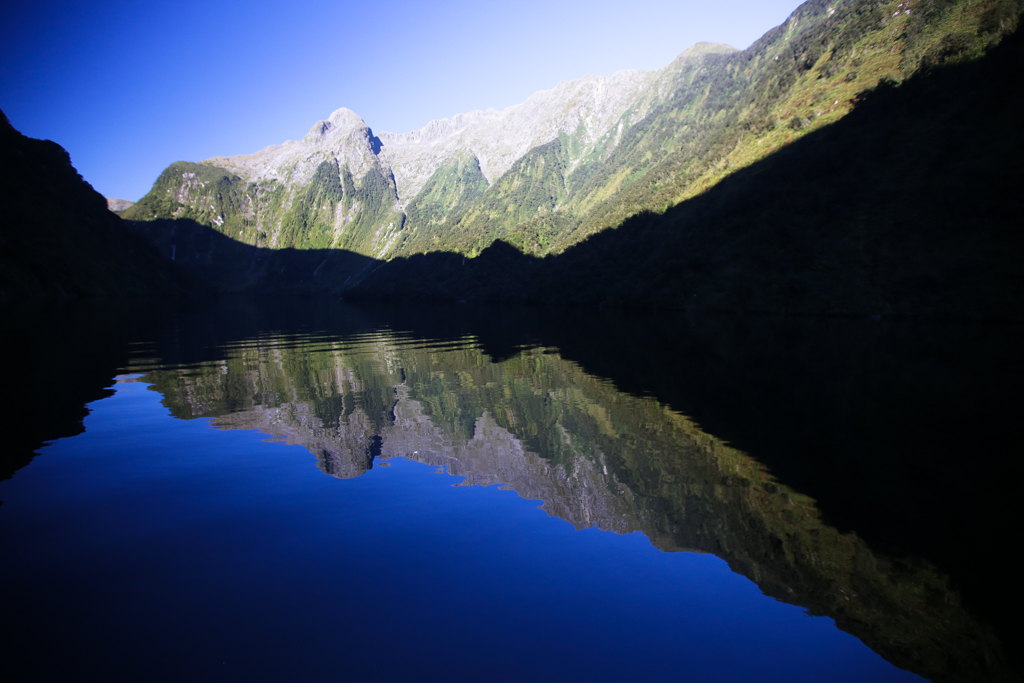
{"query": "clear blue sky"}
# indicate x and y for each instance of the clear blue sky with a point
(129, 87)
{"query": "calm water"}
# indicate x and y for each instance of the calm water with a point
(308, 491)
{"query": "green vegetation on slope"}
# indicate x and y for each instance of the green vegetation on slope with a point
(330, 211)
(907, 206)
(729, 111)
(211, 196)
(746, 186)
(311, 219)
(722, 112)
(532, 187)
(445, 195)
(378, 223)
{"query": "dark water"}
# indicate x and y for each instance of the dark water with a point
(288, 490)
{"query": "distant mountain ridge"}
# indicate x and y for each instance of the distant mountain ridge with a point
(589, 111)
(589, 107)
(572, 162)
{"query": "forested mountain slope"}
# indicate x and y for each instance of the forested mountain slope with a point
(578, 159)
(909, 206)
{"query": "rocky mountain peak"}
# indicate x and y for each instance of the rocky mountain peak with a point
(341, 123)
(115, 204)
(343, 137)
(591, 106)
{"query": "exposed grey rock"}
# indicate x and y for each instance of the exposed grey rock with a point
(116, 205)
(587, 108)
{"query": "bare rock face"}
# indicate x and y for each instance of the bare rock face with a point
(117, 205)
(343, 137)
(567, 164)
(342, 187)
(587, 108)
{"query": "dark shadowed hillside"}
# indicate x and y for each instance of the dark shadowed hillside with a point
(57, 236)
(908, 206)
(589, 155)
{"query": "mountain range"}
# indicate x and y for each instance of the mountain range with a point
(656, 188)
(343, 187)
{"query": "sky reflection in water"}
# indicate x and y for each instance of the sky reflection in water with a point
(201, 549)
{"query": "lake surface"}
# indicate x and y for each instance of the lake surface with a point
(284, 490)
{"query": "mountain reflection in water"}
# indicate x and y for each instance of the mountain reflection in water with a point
(359, 387)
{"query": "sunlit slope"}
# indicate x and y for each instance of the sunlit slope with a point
(739, 108)
(331, 210)
(581, 158)
(908, 206)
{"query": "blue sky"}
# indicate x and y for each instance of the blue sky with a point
(128, 87)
